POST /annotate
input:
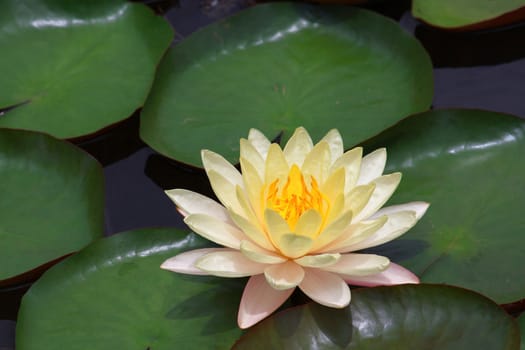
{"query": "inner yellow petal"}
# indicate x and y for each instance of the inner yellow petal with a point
(295, 197)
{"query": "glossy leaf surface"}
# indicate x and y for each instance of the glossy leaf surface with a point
(113, 295)
(51, 203)
(464, 13)
(401, 317)
(321, 67)
(71, 68)
(469, 165)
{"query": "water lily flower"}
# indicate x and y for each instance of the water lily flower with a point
(294, 217)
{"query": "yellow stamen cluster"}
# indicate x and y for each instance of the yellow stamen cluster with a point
(295, 197)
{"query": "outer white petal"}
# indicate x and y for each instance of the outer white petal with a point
(250, 153)
(185, 262)
(394, 274)
(224, 190)
(335, 141)
(215, 230)
(395, 226)
(385, 187)
(216, 162)
(284, 276)
(259, 300)
(417, 207)
(194, 203)
(372, 166)
(255, 253)
(358, 265)
(325, 288)
(297, 147)
(229, 264)
(259, 141)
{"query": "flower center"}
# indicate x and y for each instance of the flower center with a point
(295, 197)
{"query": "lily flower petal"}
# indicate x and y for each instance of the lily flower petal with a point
(372, 166)
(309, 223)
(325, 288)
(259, 141)
(419, 208)
(276, 164)
(354, 234)
(259, 300)
(358, 265)
(252, 231)
(294, 246)
(217, 163)
(351, 162)
(284, 276)
(385, 187)
(229, 264)
(297, 147)
(215, 230)
(255, 253)
(185, 262)
(319, 260)
(194, 203)
(251, 155)
(335, 142)
(317, 162)
(393, 275)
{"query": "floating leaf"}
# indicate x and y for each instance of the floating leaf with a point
(469, 165)
(113, 295)
(319, 67)
(73, 68)
(468, 14)
(51, 203)
(400, 317)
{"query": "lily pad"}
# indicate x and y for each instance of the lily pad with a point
(71, 68)
(401, 317)
(319, 67)
(521, 322)
(51, 203)
(113, 295)
(470, 166)
(468, 14)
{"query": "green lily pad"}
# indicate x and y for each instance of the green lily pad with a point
(113, 295)
(277, 66)
(401, 317)
(71, 68)
(51, 203)
(468, 13)
(521, 323)
(470, 166)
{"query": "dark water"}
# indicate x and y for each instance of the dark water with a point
(483, 70)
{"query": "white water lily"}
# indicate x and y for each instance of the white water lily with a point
(293, 218)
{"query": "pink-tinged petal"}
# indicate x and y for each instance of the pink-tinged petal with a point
(215, 230)
(351, 162)
(319, 260)
(335, 142)
(358, 265)
(393, 275)
(384, 188)
(395, 226)
(259, 300)
(325, 288)
(297, 147)
(252, 231)
(259, 141)
(185, 262)
(417, 207)
(194, 203)
(317, 162)
(372, 166)
(216, 162)
(255, 253)
(251, 155)
(229, 264)
(284, 276)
